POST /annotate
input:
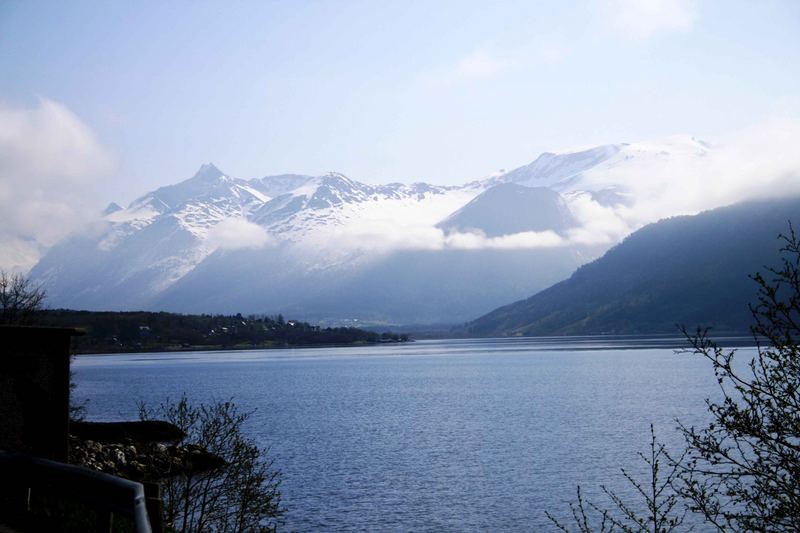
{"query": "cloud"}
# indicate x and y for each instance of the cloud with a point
(237, 234)
(597, 224)
(48, 158)
(759, 162)
(639, 19)
(756, 163)
(381, 237)
(513, 241)
(674, 176)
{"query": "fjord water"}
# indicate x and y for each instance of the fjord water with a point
(458, 435)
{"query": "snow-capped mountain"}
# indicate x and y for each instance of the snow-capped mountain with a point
(329, 247)
(602, 167)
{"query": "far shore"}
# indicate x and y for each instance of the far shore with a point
(234, 348)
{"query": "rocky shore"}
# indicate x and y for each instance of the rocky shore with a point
(146, 458)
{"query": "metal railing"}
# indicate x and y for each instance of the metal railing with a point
(25, 477)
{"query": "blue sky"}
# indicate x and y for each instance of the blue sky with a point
(440, 91)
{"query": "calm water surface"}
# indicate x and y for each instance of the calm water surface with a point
(460, 435)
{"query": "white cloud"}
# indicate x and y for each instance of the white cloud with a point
(513, 241)
(674, 176)
(48, 157)
(759, 162)
(756, 163)
(238, 233)
(640, 19)
(17, 255)
(48, 142)
(378, 237)
(597, 224)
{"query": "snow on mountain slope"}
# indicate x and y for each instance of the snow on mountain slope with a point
(273, 186)
(615, 166)
(558, 170)
(163, 235)
(334, 205)
(632, 167)
(334, 231)
(613, 190)
(149, 245)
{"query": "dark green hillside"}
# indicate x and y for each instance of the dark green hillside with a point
(690, 270)
(108, 332)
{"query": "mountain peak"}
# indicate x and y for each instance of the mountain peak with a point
(208, 172)
(509, 208)
(551, 168)
(338, 181)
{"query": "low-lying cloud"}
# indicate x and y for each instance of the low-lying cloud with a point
(597, 224)
(513, 241)
(48, 160)
(388, 236)
(757, 163)
(238, 234)
(761, 162)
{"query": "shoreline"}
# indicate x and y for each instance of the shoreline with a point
(220, 348)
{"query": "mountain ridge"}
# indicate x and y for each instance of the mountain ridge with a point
(312, 239)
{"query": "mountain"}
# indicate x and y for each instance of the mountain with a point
(509, 208)
(609, 173)
(689, 270)
(560, 170)
(330, 248)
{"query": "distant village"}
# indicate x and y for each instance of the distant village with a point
(113, 332)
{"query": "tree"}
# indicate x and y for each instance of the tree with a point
(238, 493)
(663, 513)
(743, 471)
(19, 299)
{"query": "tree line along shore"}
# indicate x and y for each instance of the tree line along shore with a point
(142, 331)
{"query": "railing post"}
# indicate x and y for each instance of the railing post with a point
(152, 494)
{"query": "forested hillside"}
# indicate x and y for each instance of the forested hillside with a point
(690, 270)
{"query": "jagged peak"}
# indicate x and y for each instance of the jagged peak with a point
(208, 172)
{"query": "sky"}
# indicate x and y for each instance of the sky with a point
(104, 101)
